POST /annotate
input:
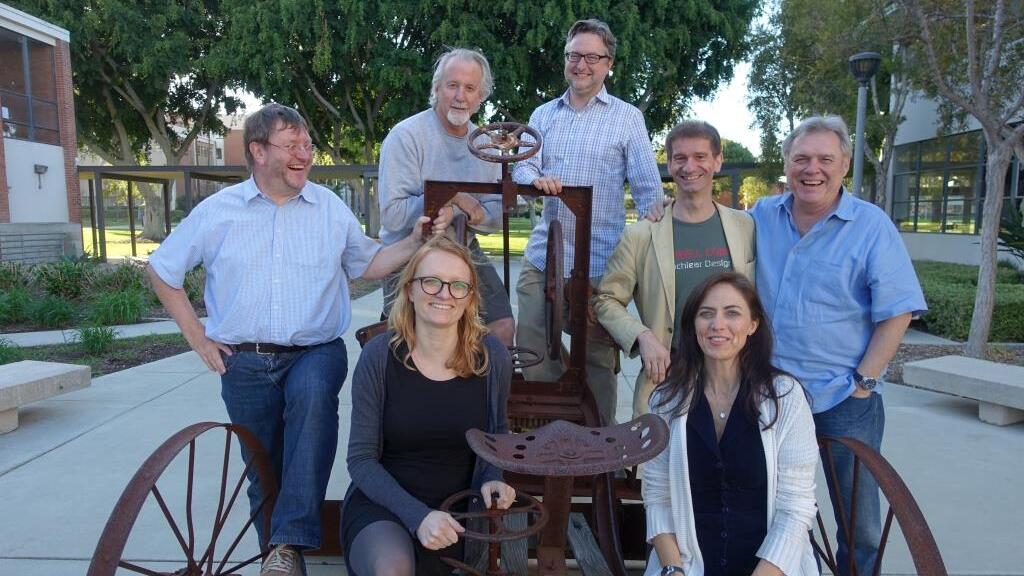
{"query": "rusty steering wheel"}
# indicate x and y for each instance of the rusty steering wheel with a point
(503, 138)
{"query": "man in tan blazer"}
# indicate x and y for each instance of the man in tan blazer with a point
(657, 264)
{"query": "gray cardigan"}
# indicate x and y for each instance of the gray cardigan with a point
(365, 442)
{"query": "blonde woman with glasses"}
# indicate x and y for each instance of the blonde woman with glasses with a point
(416, 390)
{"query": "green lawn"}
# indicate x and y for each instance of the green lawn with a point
(518, 234)
(119, 243)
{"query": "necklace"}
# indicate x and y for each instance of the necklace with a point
(716, 406)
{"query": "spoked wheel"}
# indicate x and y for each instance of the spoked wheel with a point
(498, 531)
(504, 142)
(554, 290)
(173, 495)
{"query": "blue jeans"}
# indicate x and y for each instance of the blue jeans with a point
(290, 402)
(862, 419)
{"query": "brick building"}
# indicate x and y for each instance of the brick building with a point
(39, 194)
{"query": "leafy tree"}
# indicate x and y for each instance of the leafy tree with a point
(734, 152)
(801, 68)
(970, 54)
(143, 73)
(356, 68)
(753, 189)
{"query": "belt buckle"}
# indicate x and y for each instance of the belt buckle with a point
(261, 353)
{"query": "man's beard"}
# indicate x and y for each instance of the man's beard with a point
(458, 117)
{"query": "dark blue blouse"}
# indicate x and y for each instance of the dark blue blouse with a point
(729, 488)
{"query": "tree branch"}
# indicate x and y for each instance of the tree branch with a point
(933, 61)
(997, 46)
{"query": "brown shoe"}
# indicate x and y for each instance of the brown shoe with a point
(283, 560)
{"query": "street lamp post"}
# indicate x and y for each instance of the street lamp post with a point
(863, 66)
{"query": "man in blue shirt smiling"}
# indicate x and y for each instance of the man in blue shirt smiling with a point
(278, 252)
(840, 290)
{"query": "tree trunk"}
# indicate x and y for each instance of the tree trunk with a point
(372, 204)
(995, 179)
(153, 217)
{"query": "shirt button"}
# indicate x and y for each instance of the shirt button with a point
(723, 562)
(719, 465)
(725, 509)
(725, 534)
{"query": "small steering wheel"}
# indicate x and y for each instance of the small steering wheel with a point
(523, 357)
(536, 516)
(503, 142)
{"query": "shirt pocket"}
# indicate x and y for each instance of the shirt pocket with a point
(828, 292)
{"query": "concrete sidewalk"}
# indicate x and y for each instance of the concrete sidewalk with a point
(62, 471)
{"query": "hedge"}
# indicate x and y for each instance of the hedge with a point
(949, 290)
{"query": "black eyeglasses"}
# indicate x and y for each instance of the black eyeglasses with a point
(433, 286)
(575, 57)
(294, 149)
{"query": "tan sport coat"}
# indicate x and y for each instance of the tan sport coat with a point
(642, 268)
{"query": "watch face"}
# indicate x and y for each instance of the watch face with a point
(868, 383)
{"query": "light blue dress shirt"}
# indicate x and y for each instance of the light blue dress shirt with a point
(275, 274)
(825, 292)
(604, 146)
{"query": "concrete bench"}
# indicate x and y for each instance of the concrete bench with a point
(30, 381)
(999, 388)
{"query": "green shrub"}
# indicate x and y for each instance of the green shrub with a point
(67, 279)
(14, 275)
(14, 305)
(52, 312)
(9, 352)
(119, 307)
(949, 290)
(127, 276)
(96, 340)
(195, 283)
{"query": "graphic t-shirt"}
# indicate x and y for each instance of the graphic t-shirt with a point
(700, 250)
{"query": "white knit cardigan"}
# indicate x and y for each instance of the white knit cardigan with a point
(791, 453)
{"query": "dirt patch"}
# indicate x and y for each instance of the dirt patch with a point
(912, 352)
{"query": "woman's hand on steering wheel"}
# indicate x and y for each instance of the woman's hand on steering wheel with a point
(506, 494)
(438, 530)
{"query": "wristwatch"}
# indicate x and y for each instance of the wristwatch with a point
(863, 382)
(669, 570)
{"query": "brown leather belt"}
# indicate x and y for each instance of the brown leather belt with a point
(266, 348)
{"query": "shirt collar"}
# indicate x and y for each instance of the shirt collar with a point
(846, 210)
(251, 190)
(603, 97)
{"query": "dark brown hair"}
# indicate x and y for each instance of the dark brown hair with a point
(693, 129)
(686, 376)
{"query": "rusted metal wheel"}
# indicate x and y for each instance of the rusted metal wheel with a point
(537, 516)
(180, 507)
(505, 141)
(554, 290)
(923, 550)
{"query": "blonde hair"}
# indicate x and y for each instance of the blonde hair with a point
(470, 355)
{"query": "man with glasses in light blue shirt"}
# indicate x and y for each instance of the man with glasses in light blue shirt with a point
(278, 252)
(591, 138)
(839, 288)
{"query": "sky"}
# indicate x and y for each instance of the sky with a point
(727, 111)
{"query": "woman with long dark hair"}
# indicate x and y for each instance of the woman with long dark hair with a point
(733, 493)
(416, 390)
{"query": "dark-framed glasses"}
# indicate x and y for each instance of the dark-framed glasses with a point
(433, 286)
(294, 149)
(575, 57)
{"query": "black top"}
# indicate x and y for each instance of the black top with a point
(729, 489)
(425, 424)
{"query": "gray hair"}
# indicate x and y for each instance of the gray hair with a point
(466, 55)
(815, 124)
(261, 124)
(597, 27)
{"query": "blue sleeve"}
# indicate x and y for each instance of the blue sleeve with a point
(891, 278)
(181, 251)
(641, 166)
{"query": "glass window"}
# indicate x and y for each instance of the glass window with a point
(28, 66)
(933, 154)
(966, 148)
(905, 192)
(961, 201)
(929, 204)
(906, 157)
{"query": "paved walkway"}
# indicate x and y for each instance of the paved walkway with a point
(62, 471)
